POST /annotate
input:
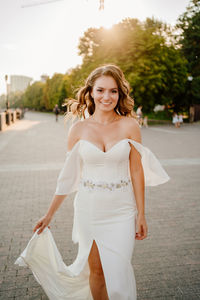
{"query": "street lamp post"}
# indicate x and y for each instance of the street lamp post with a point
(7, 103)
(191, 108)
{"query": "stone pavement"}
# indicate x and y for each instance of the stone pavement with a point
(167, 263)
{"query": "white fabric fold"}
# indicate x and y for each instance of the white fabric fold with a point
(154, 173)
(57, 280)
(70, 174)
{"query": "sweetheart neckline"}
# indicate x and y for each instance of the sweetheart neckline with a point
(83, 140)
(104, 152)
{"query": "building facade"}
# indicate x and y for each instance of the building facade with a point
(19, 83)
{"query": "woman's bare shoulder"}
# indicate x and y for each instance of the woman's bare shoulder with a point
(132, 128)
(74, 134)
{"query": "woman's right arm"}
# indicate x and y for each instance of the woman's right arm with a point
(46, 219)
(57, 200)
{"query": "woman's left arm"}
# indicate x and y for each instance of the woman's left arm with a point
(137, 178)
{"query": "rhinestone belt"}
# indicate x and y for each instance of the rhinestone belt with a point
(104, 185)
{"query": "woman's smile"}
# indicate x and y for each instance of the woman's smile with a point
(105, 103)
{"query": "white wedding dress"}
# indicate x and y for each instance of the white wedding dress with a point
(104, 212)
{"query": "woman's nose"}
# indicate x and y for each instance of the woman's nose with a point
(106, 96)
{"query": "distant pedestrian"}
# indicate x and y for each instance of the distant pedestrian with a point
(145, 122)
(180, 119)
(139, 115)
(191, 113)
(175, 120)
(56, 110)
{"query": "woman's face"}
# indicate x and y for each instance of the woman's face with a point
(105, 93)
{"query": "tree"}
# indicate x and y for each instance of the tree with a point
(189, 40)
(16, 99)
(3, 101)
(155, 69)
(33, 96)
(52, 91)
(44, 96)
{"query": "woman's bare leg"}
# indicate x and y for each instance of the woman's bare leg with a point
(97, 280)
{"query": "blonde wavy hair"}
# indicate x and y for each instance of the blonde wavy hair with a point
(124, 107)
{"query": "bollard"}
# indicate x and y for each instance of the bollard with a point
(18, 113)
(13, 116)
(2, 121)
(8, 117)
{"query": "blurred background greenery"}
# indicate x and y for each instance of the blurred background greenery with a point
(161, 63)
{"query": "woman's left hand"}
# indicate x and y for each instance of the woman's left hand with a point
(141, 228)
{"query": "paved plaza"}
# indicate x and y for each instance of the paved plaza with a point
(166, 264)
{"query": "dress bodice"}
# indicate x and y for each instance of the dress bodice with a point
(112, 165)
(86, 161)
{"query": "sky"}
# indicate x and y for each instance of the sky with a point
(44, 39)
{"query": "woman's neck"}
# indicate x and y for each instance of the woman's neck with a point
(104, 118)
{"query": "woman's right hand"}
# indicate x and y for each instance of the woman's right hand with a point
(42, 223)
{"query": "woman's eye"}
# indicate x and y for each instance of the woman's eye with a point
(99, 90)
(114, 91)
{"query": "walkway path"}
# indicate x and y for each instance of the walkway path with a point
(167, 263)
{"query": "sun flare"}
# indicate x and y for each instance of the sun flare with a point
(106, 20)
(113, 13)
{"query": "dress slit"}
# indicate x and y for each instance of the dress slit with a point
(118, 273)
(100, 258)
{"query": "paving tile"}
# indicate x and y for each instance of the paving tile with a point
(167, 263)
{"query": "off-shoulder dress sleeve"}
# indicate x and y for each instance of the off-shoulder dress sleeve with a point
(70, 174)
(154, 173)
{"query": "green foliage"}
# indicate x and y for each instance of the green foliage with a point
(3, 101)
(189, 39)
(33, 96)
(44, 96)
(16, 99)
(53, 90)
(155, 69)
(160, 115)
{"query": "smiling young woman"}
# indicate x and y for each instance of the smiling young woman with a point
(108, 167)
